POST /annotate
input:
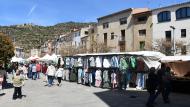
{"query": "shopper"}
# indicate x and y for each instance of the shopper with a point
(50, 74)
(151, 84)
(38, 69)
(160, 74)
(166, 85)
(18, 82)
(59, 75)
(34, 72)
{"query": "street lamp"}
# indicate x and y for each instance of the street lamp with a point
(174, 50)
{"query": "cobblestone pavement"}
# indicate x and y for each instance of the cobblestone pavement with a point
(75, 95)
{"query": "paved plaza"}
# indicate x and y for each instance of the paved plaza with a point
(75, 95)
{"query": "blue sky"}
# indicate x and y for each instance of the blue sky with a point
(51, 12)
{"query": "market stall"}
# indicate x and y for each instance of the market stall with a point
(179, 64)
(105, 67)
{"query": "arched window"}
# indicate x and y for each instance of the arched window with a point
(183, 13)
(164, 16)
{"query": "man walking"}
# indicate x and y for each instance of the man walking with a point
(151, 84)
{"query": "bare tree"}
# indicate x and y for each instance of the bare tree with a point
(97, 47)
(165, 46)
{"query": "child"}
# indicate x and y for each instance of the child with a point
(59, 75)
(18, 82)
(113, 80)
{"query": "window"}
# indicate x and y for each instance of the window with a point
(142, 32)
(168, 35)
(183, 50)
(142, 18)
(112, 35)
(86, 32)
(183, 13)
(142, 45)
(123, 21)
(105, 25)
(183, 33)
(122, 35)
(105, 38)
(164, 16)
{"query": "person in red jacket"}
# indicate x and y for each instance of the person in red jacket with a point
(38, 69)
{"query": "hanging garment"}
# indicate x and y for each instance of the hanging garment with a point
(106, 63)
(123, 64)
(140, 81)
(98, 62)
(72, 62)
(80, 64)
(73, 75)
(75, 63)
(140, 66)
(67, 74)
(64, 74)
(80, 75)
(98, 78)
(114, 62)
(92, 62)
(93, 77)
(90, 78)
(113, 78)
(133, 62)
(85, 63)
(86, 78)
(67, 63)
(106, 80)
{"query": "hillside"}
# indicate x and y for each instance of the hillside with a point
(29, 35)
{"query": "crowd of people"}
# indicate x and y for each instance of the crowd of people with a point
(158, 82)
(34, 70)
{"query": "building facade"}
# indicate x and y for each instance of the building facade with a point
(76, 38)
(19, 52)
(142, 31)
(172, 24)
(116, 30)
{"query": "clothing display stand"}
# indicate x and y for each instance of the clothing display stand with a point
(103, 70)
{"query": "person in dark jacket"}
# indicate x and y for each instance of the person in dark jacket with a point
(166, 85)
(151, 84)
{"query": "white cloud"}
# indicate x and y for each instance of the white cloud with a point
(32, 10)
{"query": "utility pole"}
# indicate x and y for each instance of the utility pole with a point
(174, 49)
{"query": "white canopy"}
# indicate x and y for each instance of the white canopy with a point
(151, 58)
(15, 59)
(54, 58)
(174, 59)
(45, 58)
(33, 58)
(48, 57)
